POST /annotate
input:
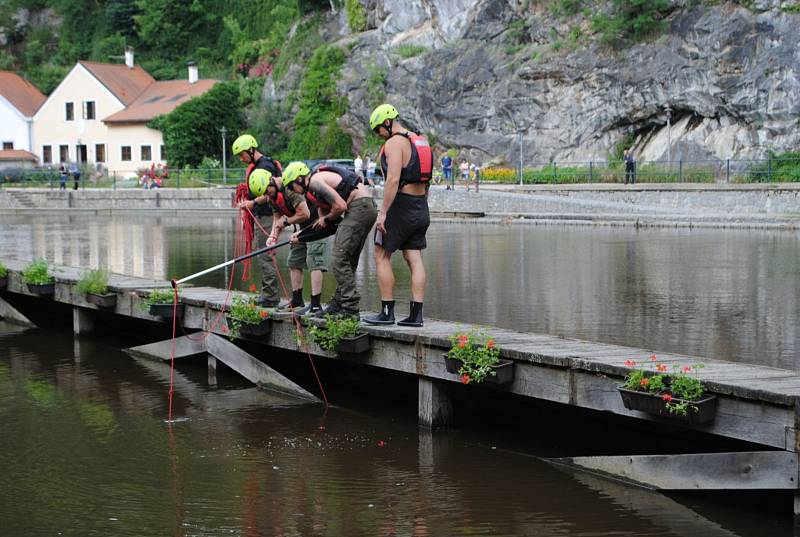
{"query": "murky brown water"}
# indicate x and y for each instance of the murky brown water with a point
(726, 294)
(85, 451)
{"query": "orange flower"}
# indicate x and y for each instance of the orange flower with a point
(490, 344)
(253, 288)
(462, 340)
(653, 358)
(666, 397)
(263, 314)
(644, 382)
(464, 379)
(661, 367)
(630, 363)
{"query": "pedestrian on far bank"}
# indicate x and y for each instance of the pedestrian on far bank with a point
(358, 165)
(62, 178)
(464, 167)
(76, 174)
(447, 170)
(630, 166)
(370, 171)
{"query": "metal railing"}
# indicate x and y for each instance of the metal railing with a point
(178, 178)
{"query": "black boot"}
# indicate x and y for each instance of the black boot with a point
(297, 298)
(313, 308)
(415, 317)
(386, 316)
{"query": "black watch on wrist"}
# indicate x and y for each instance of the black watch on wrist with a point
(285, 221)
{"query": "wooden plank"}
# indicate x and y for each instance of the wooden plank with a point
(162, 350)
(253, 369)
(755, 470)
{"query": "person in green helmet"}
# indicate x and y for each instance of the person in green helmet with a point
(246, 148)
(403, 219)
(291, 209)
(340, 197)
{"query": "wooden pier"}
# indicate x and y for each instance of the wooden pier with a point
(755, 404)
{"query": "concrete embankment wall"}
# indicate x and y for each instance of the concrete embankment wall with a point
(654, 200)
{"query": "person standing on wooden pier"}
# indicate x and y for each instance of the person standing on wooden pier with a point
(290, 208)
(407, 163)
(337, 191)
(246, 148)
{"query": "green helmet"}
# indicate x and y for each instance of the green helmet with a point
(243, 143)
(381, 114)
(258, 181)
(293, 171)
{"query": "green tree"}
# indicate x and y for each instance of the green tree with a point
(191, 131)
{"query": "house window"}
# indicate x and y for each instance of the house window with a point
(126, 153)
(99, 152)
(88, 110)
(146, 153)
(63, 153)
(163, 154)
(8, 145)
(69, 111)
(47, 154)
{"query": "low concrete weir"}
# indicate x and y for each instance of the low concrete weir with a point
(756, 404)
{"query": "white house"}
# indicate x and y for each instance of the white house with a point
(98, 114)
(19, 101)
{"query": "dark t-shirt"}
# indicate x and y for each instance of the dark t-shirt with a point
(265, 163)
(447, 162)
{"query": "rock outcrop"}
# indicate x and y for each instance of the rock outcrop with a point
(728, 75)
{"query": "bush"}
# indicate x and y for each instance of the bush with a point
(409, 51)
(244, 310)
(160, 296)
(630, 20)
(37, 273)
(356, 16)
(93, 282)
(477, 354)
(3, 270)
(783, 167)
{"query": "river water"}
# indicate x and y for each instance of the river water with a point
(85, 450)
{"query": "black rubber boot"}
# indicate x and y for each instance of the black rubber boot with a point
(313, 308)
(415, 318)
(331, 309)
(386, 316)
(297, 298)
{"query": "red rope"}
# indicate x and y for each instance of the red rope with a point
(246, 220)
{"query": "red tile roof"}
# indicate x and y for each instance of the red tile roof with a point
(124, 82)
(160, 98)
(17, 154)
(22, 94)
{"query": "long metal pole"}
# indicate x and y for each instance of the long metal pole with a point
(230, 262)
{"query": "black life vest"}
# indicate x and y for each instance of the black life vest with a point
(272, 166)
(279, 204)
(420, 166)
(349, 182)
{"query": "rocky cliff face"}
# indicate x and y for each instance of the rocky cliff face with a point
(729, 75)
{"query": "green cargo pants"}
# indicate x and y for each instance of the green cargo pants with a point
(347, 246)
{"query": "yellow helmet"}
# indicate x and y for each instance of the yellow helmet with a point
(258, 181)
(381, 114)
(293, 171)
(243, 143)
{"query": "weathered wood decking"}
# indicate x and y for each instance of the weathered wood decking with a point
(755, 403)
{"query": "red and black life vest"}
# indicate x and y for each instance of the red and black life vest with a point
(349, 182)
(272, 166)
(279, 204)
(420, 166)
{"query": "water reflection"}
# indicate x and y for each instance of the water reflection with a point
(726, 294)
(84, 451)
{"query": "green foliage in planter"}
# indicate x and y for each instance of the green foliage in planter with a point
(336, 328)
(37, 273)
(244, 310)
(160, 296)
(477, 354)
(94, 282)
(3, 270)
(678, 390)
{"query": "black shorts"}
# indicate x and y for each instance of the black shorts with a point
(406, 224)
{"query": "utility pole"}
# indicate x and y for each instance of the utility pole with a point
(223, 130)
(520, 158)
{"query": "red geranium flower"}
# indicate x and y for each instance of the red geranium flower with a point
(630, 363)
(381, 443)
(644, 382)
(263, 314)
(687, 368)
(253, 288)
(666, 397)
(464, 379)
(490, 344)
(653, 358)
(661, 367)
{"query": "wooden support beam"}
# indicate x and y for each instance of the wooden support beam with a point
(435, 408)
(10, 313)
(752, 470)
(253, 369)
(162, 350)
(82, 322)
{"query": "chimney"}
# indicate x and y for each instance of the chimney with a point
(192, 72)
(129, 57)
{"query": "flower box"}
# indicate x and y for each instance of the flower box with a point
(166, 310)
(353, 345)
(503, 371)
(652, 403)
(42, 289)
(108, 300)
(252, 329)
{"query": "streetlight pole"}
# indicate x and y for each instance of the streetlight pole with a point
(669, 136)
(223, 130)
(520, 158)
